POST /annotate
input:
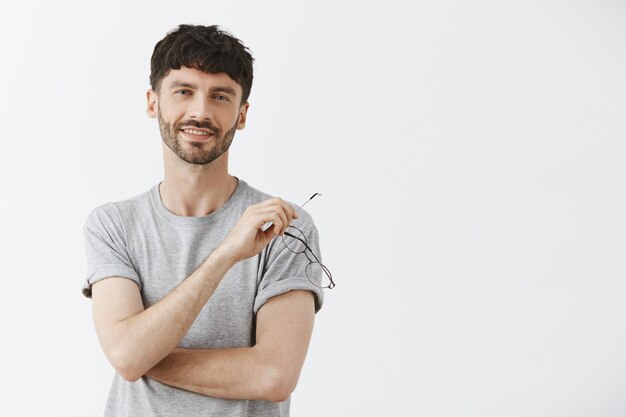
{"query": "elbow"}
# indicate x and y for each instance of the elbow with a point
(279, 394)
(129, 375)
(278, 385)
(125, 367)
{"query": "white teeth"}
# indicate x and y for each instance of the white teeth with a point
(196, 132)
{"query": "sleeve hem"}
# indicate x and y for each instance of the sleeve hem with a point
(286, 285)
(109, 271)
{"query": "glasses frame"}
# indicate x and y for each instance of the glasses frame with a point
(311, 261)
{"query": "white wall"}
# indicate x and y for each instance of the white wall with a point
(471, 161)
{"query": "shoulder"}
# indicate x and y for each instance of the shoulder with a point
(113, 213)
(251, 194)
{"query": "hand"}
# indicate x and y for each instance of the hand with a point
(248, 238)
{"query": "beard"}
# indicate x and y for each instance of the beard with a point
(196, 152)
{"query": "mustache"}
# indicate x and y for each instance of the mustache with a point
(203, 125)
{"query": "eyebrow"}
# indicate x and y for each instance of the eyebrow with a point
(226, 90)
(176, 84)
(219, 89)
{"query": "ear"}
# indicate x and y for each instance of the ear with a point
(243, 111)
(153, 104)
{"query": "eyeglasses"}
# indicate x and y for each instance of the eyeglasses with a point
(295, 241)
(318, 274)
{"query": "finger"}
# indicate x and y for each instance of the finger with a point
(282, 223)
(273, 217)
(280, 211)
(290, 213)
(287, 208)
(285, 217)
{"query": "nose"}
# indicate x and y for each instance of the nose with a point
(200, 108)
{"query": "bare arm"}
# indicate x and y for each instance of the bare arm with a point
(134, 339)
(267, 371)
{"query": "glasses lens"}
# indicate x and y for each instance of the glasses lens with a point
(318, 275)
(296, 242)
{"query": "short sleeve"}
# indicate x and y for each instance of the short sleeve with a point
(105, 247)
(286, 271)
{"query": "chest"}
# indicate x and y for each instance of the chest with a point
(164, 259)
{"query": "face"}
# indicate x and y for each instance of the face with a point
(198, 113)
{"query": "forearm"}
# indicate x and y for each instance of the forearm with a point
(146, 338)
(236, 373)
(268, 371)
(135, 339)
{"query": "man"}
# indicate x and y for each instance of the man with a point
(201, 310)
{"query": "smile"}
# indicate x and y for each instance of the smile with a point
(196, 134)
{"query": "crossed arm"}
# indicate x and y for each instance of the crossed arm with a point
(267, 371)
(140, 341)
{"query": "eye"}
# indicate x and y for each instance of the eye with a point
(222, 98)
(182, 92)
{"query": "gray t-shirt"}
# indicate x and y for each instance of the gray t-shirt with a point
(140, 239)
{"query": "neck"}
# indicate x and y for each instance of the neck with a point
(196, 190)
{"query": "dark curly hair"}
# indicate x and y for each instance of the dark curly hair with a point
(205, 48)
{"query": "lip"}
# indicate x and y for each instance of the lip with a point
(200, 138)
